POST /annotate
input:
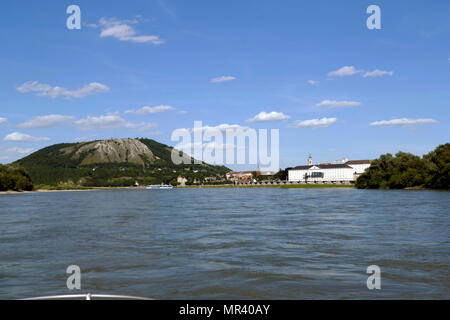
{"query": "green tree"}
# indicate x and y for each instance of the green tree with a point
(14, 178)
(438, 165)
(405, 170)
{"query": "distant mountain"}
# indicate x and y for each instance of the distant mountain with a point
(115, 162)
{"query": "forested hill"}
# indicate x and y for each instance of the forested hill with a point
(116, 162)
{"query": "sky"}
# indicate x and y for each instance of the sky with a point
(312, 69)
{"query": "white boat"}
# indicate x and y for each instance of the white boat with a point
(160, 187)
(88, 296)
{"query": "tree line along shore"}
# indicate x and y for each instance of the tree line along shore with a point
(400, 171)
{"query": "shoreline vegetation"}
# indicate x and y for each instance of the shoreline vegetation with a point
(408, 171)
(51, 189)
(404, 171)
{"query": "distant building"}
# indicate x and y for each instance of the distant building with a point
(246, 176)
(329, 173)
(182, 181)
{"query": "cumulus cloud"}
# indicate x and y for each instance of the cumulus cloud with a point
(222, 79)
(3, 120)
(51, 120)
(377, 73)
(312, 82)
(45, 90)
(351, 70)
(314, 123)
(124, 31)
(344, 72)
(22, 137)
(222, 128)
(150, 110)
(402, 122)
(338, 104)
(111, 121)
(269, 117)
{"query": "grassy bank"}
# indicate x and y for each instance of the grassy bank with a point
(60, 187)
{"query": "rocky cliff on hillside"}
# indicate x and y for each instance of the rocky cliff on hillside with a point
(114, 162)
(112, 151)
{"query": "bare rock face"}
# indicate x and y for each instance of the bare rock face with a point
(115, 151)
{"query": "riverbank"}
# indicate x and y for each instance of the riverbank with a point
(62, 189)
(287, 186)
(273, 186)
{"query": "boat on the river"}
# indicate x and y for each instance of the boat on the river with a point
(160, 187)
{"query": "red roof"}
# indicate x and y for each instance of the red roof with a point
(359, 162)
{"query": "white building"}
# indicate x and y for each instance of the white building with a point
(182, 181)
(359, 165)
(328, 173)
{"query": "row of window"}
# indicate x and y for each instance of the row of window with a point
(315, 175)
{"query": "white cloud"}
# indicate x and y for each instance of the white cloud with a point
(338, 104)
(222, 128)
(223, 79)
(313, 82)
(47, 121)
(85, 138)
(150, 110)
(314, 123)
(403, 122)
(111, 121)
(45, 90)
(344, 72)
(269, 117)
(378, 73)
(146, 126)
(351, 70)
(17, 150)
(3, 120)
(123, 31)
(22, 137)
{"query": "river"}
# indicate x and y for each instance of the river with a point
(227, 243)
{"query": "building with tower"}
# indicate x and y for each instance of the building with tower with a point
(338, 172)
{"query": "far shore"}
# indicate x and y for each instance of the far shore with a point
(270, 186)
(71, 190)
(274, 186)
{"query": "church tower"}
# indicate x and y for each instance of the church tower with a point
(310, 160)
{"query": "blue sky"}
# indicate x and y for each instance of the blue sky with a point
(267, 56)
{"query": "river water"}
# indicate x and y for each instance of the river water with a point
(227, 243)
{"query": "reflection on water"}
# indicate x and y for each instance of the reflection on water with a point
(227, 243)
